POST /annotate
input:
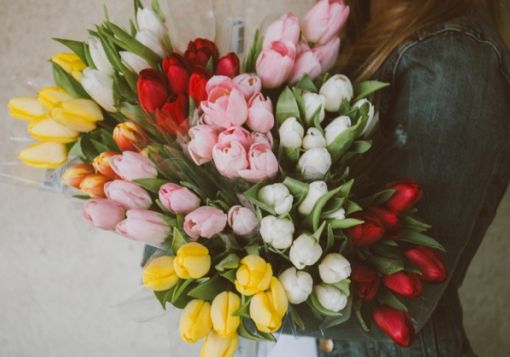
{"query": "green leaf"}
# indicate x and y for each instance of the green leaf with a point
(244, 309)
(313, 218)
(253, 249)
(386, 266)
(157, 9)
(352, 207)
(231, 261)
(344, 286)
(330, 237)
(252, 333)
(138, 5)
(163, 296)
(307, 84)
(294, 315)
(287, 106)
(77, 47)
(377, 198)
(253, 53)
(388, 298)
(179, 296)
(209, 289)
(66, 81)
(252, 196)
(358, 304)
(345, 223)
(230, 275)
(81, 197)
(415, 224)
(387, 251)
(178, 239)
(364, 89)
(418, 238)
(151, 184)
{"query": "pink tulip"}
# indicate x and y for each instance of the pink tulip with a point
(242, 220)
(203, 138)
(328, 53)
(262, 138)
(230, 158)
(260, 114)
(127, 194)
(248, 83)
(275, 63)
(131, 166)
(204, 222)
(286, 28)
(215, 81)
(225, 105)
(263, 164)
(104, 214)
(144, 225)
(178, 199)
(324, 20)
(306, 63)
(235, 133)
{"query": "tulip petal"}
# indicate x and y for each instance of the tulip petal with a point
(51, 130)
(46, 155)
(26, 108)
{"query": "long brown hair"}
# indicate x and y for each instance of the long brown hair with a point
(371, 40)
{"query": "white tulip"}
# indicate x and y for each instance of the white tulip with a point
(316, 190)
(338, 214)
(277, 196)
(148, 21)
(313, 139)
(314, 164)
(150, 40)
(305, 251)
(134, 62)
(371, 114)
(330, 297)
(314, 102)
(277, 232)
(336, 89)
(99, 56)
(334, 268)
(99, 86)
(336, 127)
(291, 133)
(297, 284)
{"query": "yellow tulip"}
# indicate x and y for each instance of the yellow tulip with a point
(222, 313)
(217, 346)
(159, 274)
(268, 308)
(44, 155)
(192, 261)
(78, 114)
(26, 108)
(50, 130)
(253, 275)
(195, 321)
(70, 63)
(51, 97)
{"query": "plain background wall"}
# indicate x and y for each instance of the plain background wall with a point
(62, 284)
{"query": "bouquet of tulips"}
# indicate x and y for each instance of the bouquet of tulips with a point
(238, 174)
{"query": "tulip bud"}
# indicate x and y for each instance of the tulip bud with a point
(192, 261)
(71, 63)
(365, 281)
(148, 20)
(74, 174)
(388, 219)
(204, 222)
(152, 92)
(242, 220)
(277, 232)
(26, 108)
(248, 83)
(367, 233)
(44, 155)
(313, 139)
(336, 89)
(262, 138)
(196, 87)
(314, 164)
(407, 194)
(327, 53)
(316, 190)
(172, 116)
(159, 274)
(203, 139)
(286, 28)
(305, 251)
(430, 263)
(278, 197)
(99, 55)
(336, 127)
(268, 308)
(214, 345)
(151, 41)
(275, 63)
(99, 85)
(306, 63)
(406, 284)
(132, 166)
(235, 133)
(260, 114)
(339, 214)
(145, 226)
(200, 51)
(78, 114)
(134, 62)
(334, 268)
(102, 164)
(395, 323)
(178, 199)
(223, 307)
(176, 73)
(103, 214)
(253, 275)
(324, 20)
(330, 297)
(51, 130)
(129, 136)
(371, 113)
(195, 321)
(298, 285)
(52, 97)
(128, 194)
(263, 164)
(230, 158)
(94, 185)
(228, 65)
(291, 133)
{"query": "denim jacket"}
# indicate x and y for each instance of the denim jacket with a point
(448, 114)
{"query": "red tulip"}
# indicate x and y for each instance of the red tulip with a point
(365, 281)
(228, 65)
(366, 233)
(430, 263)
(152, 92)
(200, 51)
(196, 87)
(176, 73)
(395, 323)
(386, 217)
(407, 193)
(406, 284)
(172, 117)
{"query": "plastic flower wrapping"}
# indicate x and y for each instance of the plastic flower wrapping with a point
(239, 174)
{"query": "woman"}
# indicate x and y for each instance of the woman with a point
(447, 112)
